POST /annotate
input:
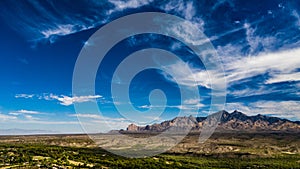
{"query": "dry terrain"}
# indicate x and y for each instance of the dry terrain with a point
(222, 150)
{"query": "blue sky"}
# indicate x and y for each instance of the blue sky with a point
(258, 43)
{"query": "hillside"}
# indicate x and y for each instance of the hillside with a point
(235, 121)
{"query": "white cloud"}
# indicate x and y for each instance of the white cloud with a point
(4, 117)
(282, 109)
(186, 75)
(92, 116)
(191, 101)
(66, 100)
(238, 106)
(230, 52)
(190, 32)
(262, 90)
(47, 25)
(63, 99)
(284, 62)
(52, 33)
(122, 5)
(29, 112)
(254, 41)
(96, 116)
(26, 96)
(97, 123)
(184, 8)
(281, 67)
(61, 30)
(297, 16)
(44, 122)
(192, 27)
(190, 105)
(284, 78)
(101, 125)
(30, 117)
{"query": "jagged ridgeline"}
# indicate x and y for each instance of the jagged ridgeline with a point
(235, 121)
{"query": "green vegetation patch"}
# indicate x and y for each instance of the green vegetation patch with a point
(48, 156)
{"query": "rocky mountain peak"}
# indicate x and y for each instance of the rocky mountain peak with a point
(229, 121)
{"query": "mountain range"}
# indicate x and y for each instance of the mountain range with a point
(235, 121)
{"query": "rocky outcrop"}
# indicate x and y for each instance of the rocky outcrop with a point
(235, 121)
(133, 127)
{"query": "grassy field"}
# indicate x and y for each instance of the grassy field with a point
(77, 151)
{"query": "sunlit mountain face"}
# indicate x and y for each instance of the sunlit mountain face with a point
(258, 43)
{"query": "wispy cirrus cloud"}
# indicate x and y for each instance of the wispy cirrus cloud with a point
(189, 104)
(59, 30)
(63, 99)
(190, 32)
(96, 116)
(284, 62)
(286, 77)
(283, 109)
(26, 96)
(45, 122)
(30, 117)
(51, 20)
(195, 106)
(256, 42)
(247, 92)
(297, 16)
(29, 112)
(67, 100)
(185, 8)
(120, 5)
(190, 76)
(4, 117)
(251, 55)
(92, 116)
(96, 122)
(281, 67)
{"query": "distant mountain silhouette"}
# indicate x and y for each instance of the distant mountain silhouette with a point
(235, 121)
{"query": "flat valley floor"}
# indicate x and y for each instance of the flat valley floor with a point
(222, 150)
